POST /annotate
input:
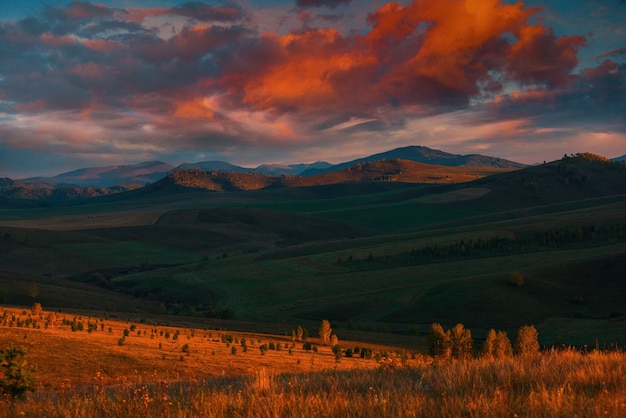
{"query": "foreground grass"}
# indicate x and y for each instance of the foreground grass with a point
(555, 384)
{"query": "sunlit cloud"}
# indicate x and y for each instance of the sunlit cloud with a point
(299, 80)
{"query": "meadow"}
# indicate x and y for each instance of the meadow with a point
(382, 261)
(187, 372)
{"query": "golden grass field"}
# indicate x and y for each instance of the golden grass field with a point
(71, 358)
(88, 374)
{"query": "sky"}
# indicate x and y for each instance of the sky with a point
(86, 84)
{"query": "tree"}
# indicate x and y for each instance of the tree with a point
(334, 340)
(51, 319)
(503, 347)
(489, 344)
(527, 342)
(36, 309)
(497, 345)
(299, 332)
(438, 341)
(460, 342)
(325, 332)
(16, 375)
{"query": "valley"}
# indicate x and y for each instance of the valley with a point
(371, 256)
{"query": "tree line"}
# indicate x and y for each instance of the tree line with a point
(457, 343)
(518, 242)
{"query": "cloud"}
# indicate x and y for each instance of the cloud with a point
(618, 51)
(202, 12)
(198, 76)
(321, 3)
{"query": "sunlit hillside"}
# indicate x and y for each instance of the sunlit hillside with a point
(94, 365)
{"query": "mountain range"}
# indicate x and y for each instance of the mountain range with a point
(414, 164)
(151, 171)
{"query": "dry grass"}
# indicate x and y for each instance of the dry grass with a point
(554, 384)
(74, 358)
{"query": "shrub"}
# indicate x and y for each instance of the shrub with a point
(337, 351)
(36, 309)
(17, 375)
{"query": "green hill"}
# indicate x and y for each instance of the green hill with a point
(370, 256)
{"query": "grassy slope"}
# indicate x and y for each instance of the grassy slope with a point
(283, 254)
(150, 375)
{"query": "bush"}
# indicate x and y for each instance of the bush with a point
(36, 309)
(17, 374)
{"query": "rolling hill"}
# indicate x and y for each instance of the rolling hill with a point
(424, 155)
(579, 177)
(365, 252)
(152, 171)
(386, 171)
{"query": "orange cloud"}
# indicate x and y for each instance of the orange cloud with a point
(303, 73)
(427, 52)
(538, 56)
(196, 108)
(459, 42)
